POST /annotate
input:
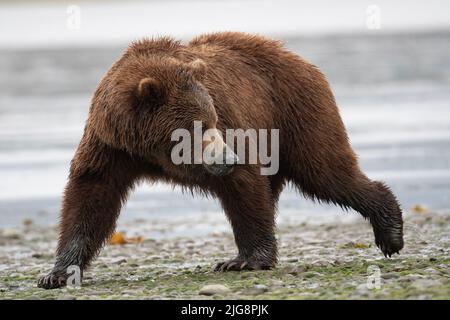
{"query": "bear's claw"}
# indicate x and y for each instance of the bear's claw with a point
(52, 281)
(240, 264)
(388, 242)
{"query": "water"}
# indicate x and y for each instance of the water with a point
(393, 92)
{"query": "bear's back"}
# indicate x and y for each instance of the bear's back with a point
(247, 45)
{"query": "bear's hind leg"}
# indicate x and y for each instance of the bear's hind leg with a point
(373, 199)
(378, 204)
(247, 200)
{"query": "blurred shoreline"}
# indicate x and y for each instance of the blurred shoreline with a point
(103, 23)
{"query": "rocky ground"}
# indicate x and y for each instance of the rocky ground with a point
(317, 261)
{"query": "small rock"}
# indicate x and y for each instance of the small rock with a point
(277, 283)
(297, 270)
(336, 262)
(311, 274)
(391, 275)
(257, 289)
(36, 255)
(128, 292)
(154, 257)
(11, 234)
(212, 289)
(322, 263)
(120, 261)
(431, 271)
(293, 272)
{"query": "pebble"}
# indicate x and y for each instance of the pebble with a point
(311, 274)
(322, 263)
(213, 289)
(431, 271)
(337, 262)
(11, 234)
(256, 290)
(277, 283)
(297, 270)
(121, 261)
(391, 275)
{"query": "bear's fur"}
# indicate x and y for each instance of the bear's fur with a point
(226, 80)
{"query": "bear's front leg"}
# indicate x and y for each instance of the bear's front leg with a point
(246, 198)
(98, 183)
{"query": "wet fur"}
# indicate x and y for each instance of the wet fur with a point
(252, 82)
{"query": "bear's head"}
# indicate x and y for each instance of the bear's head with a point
(144, 99)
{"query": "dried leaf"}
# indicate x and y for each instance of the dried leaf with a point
(118, 238)
(360, 245)
(138, 239)
(355, 245)
(419, 209)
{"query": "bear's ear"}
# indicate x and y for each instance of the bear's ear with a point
(150, 90)
(198, 68)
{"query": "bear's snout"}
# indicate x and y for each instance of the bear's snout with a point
(226, 161)
(218, 158)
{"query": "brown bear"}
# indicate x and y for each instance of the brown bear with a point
(225, 80)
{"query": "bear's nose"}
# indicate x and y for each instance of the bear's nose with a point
(230, 158)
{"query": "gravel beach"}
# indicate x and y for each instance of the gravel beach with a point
(317, 261)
